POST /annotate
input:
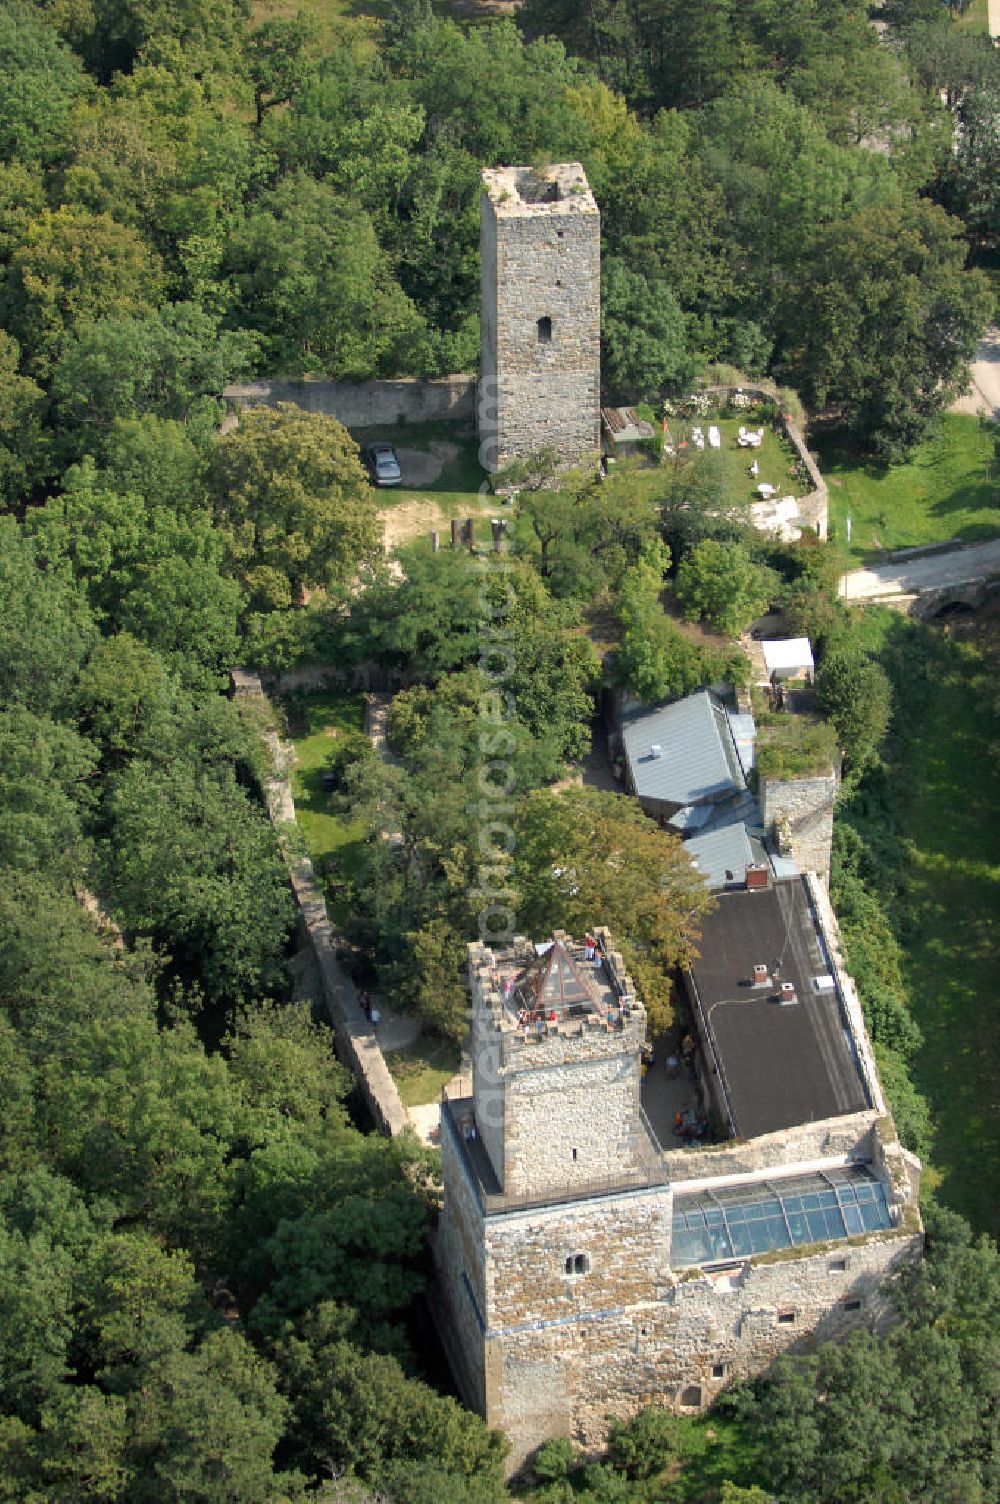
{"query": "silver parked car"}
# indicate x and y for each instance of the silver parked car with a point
(382, 465)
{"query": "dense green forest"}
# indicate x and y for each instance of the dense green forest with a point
(211, 1276)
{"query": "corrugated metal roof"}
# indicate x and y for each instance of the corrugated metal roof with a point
(690, 817)
(697, 758)
(744, 732)
(743, 809)
(721, 852)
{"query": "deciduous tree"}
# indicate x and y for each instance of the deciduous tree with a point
(194, 864)
(893, 319)
(720, 583)
(584, 857)
(293, 504)
(42, 79)
(855, 693)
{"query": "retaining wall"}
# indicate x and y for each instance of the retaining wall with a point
(366, 404)
(357, 1044)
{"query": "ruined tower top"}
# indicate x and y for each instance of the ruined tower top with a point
(516, 192)
(540, 243)
(557, 1036)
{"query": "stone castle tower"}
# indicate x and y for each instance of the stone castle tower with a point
(540, 378)
(556, 1206)
(582, 1271)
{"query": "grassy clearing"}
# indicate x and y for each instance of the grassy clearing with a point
(422, 1069)
(935, 822)
(953, 894)
(335, 843)
(713, 1451)
(775, 459)
(947, 490)
(976, 18)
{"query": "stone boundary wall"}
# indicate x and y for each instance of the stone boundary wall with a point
(357, 1044)
(366, 404)
(830, 931)
(782, 1152)
(814, 507)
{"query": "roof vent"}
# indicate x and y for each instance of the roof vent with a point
(656, 750)
(787, 994)
(756, 875)
(760, 976)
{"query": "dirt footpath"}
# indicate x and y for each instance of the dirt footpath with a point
(414, 519)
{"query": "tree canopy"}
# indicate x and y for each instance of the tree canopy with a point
(293, 503)
(210, 1276)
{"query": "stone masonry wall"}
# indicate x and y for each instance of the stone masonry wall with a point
(366, 404)
(357, 1044)
(458, 1292)
(540, 261)
(849, 1137)
(573, 1123)
(625, 1240)
(680, 1348)
(805, 807)
(559, 1108)
(830, 932)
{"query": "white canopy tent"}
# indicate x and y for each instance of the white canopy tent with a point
(788, 658)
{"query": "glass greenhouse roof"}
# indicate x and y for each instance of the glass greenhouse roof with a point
(710, 1227)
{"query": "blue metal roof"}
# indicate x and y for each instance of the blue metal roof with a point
(742, 809)
(721, 852)
(690, 817)
(744, 732)
(697, 758)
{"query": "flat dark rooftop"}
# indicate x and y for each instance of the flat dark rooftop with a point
(783, 1065)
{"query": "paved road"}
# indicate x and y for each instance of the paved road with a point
(985, 372)
(960, 566)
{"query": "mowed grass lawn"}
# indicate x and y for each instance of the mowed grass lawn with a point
(948, 489)
(423, 1068)
(336, 844)
(945, 822)
(976, 17)
(775, 459)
